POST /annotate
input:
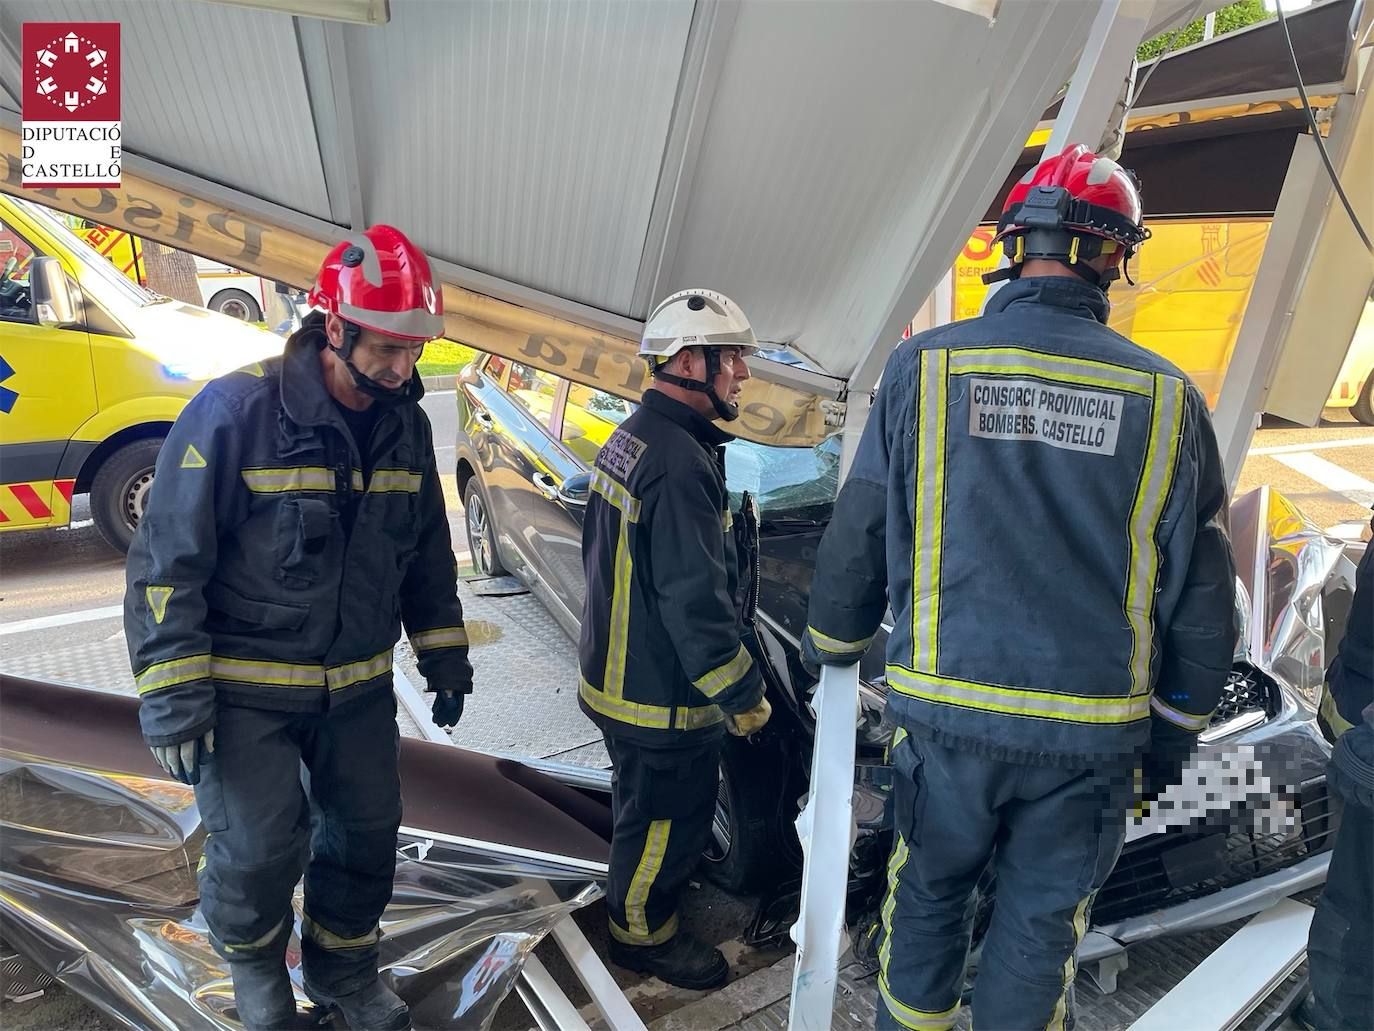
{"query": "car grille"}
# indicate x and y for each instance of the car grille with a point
(1247, 690)
(1174, 867)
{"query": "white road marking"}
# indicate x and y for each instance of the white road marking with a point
(23, 626)
(80, 524)
(1348, 531)
(1293, 449)
(1331, 476)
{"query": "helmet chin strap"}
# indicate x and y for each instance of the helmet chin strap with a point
(727, 411)
(379, 392)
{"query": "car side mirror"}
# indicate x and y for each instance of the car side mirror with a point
(53, 302)
(576, 489)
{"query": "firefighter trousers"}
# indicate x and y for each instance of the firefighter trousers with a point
(287, 793)
(663, 800)
(1340, 947)
(1049, 835)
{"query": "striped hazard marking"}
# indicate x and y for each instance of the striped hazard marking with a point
(36, 503)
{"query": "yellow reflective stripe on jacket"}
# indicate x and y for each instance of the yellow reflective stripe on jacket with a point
(327, 939)
(834, 646)
(1018, 361)
(357, 480)
(394, 481)
(296, 478)
(1156, 478)
(267, 673)
(1013, 701)
(1179, 718)
(725, 676)
(351, 673)
(440, 637)
(655, 717)
(928, 518)
(618, 637)
(617, 494)
(173, 672)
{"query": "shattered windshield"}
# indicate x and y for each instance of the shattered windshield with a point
(787, 482)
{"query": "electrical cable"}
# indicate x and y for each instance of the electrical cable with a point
(1316, 133)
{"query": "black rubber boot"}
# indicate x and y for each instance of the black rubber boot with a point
(262, 989)
(682, 961)
(373, 1007)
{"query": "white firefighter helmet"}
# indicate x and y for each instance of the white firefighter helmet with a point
(695, 318)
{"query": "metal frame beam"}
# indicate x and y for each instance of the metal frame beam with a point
(324, 60)
(708, 40)
(1300, 256)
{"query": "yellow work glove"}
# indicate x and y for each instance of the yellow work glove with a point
(750, 720)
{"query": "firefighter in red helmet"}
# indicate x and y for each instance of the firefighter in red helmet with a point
(1041, 505)
(297, 522)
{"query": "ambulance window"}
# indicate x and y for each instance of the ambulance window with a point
(536, 391)
(589, 418)
(16, 256)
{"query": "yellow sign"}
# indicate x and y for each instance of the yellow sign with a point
(769, 413)
(1192, 283)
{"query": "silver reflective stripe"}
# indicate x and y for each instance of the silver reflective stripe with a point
(1156, 478)
(443, 637)
(351, 673)
(930, 496)
(1013, 360)
(401, 481)
(728, 675)
(173, 672)
(298, 478)
(1179, 718)
(834, 646)
(1016, 702)
(416, 324)
(266, 673)
(617, 494)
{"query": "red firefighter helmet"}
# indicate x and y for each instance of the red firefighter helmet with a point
(1071, 207)
(378, 279)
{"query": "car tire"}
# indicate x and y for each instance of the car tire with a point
(237, 305)
(481, 532)
(747, 843)
(119, 492)
(1363, 408)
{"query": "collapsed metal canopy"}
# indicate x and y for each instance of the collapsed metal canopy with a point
(821, 162)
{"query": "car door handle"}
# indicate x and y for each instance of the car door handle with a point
(545, 485)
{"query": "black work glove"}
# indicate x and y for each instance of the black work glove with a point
(448, 708)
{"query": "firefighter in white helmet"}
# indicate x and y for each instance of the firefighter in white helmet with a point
(664, 671)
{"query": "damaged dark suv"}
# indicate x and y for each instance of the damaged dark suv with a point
(1247, 824)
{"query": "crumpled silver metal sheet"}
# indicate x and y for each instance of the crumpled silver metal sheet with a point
(98, 885)
(1293, 568)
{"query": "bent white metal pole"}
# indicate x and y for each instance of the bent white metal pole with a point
(826, 829)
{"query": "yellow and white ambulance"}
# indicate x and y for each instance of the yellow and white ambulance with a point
(93, 371)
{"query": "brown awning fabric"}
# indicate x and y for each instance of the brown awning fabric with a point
(445, 790)
(1228, 167)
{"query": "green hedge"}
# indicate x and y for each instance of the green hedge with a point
(444, 358)
(1229, 18)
